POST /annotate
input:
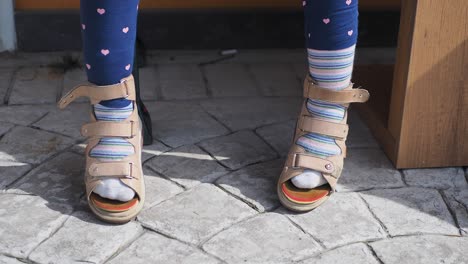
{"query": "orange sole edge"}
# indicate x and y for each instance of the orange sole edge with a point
(304, 196)
(112, 205)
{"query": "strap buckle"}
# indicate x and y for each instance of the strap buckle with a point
(294, 162)
(124, 82)
(132, 129)
(130, 171)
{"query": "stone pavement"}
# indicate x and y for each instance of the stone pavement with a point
(221, 133)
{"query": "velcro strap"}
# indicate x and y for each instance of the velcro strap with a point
(124, 89)
(314, 125)
(109, 129)
(305, 161)
(348, 95)
(113, 169)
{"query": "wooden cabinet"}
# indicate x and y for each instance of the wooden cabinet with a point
(419, 110)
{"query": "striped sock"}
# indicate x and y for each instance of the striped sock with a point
(331, 70)
(112, 148)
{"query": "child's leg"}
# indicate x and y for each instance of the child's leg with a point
(331, 28)
(109, 32)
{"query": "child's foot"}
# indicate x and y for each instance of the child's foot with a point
(113, 149)
(319, 145)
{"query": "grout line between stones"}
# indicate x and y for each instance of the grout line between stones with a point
(11, 83)
(125, 246)
(204, 241)
(382, 225)
(215, 118)
(251, 205)
(162, 175)
(317, 240)
(20, 259)
(213, 157)
(335, 248)
(150, 230)
(35, 166)
(208, 90)
(450, 210)
(278, 155)
(374, 254)
(51, 234)
(403, 177)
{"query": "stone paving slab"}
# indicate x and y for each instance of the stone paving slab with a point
(279, 136)
(67, 121)
(226, 80)
(341, 220)
(220, 197)
(440, 178)
(368, 169)
(411, 211)
(72, 78)
(422, 249)
(5, 127)
(59, 180)
(188, 166)
(195, 215)
(23, 114)
(239, 149)
(177, 124)
(36, 86)
(457, 200)
(25, 221)
(158, 189)
(267, 238)
(153, 150)
(253, 112)
(6, 75)
(85, 239)
(148, 83)
(10, 171)
(276, 79)
(155, 248)
(255, 184)
(191, 86)
(29, 145)
(7, 260)
(353, 254)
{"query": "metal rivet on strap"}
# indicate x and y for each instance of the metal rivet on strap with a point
(95, 169)
(329, 166)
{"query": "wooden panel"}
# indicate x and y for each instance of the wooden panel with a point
(430, 93)
(169, 4)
